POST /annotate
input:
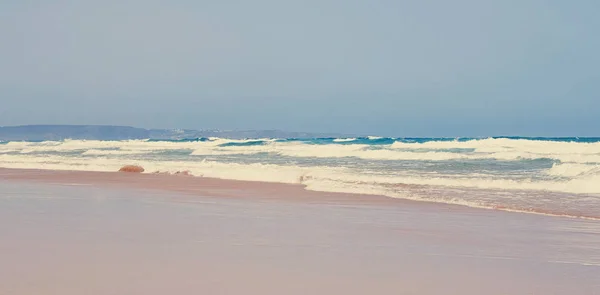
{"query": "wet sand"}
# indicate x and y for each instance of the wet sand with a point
(115, 233)
(194, 186)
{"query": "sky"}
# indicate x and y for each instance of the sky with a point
(395, 68)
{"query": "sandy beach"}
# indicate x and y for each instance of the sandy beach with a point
(299, 147)
(115, 233)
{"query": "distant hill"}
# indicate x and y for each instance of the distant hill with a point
(98, 132)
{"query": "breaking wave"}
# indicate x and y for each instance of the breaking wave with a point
(560, 176)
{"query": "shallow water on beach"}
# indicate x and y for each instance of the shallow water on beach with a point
(74, 239)
(552, 176)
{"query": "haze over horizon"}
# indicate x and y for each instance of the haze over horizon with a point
(390, 68)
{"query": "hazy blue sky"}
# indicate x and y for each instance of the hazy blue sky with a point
(401, 68)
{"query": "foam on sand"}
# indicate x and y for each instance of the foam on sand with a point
(515, 174)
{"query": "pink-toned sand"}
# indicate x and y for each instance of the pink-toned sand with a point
(119, 233)
(195, 186)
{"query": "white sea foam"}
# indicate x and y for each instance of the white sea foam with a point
(564, 178)
(344, 139)
(512, 149)
(589, 183)
(94, 152)
(499, 149)
(575, 171)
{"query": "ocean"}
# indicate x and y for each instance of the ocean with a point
(551, 176)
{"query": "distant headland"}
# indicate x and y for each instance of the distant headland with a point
(107, 132)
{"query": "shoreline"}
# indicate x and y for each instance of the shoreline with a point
(212, 187)
(256, 190)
